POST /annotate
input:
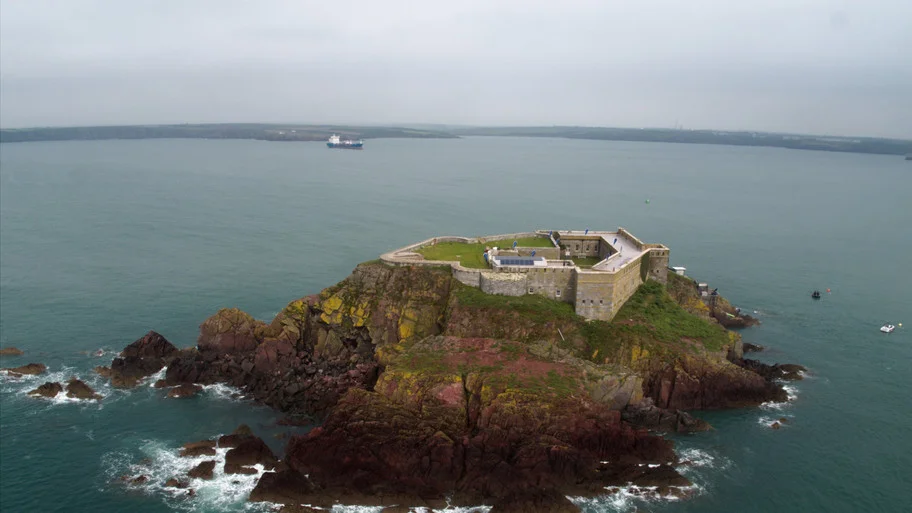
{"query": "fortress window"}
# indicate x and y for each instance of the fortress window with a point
(531, 290)
(558, 293)
(601, 302)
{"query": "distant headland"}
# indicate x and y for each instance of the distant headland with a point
(298, 132)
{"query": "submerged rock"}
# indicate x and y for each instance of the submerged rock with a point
(78, 390)
(48, 389)
(103, 371)
(786, 371)
(177, 483)
(184, 391)
(752, 348)
(10, 351)
(31, 369)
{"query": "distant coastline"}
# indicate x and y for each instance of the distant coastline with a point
(292, 133)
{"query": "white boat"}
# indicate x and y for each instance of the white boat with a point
(887, 328)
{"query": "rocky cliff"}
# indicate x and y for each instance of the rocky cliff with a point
(428, 389)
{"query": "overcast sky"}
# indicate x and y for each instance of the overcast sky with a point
(809, 66)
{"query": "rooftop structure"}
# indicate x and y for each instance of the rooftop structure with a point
(596, 271)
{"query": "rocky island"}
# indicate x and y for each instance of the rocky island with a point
(510, 377)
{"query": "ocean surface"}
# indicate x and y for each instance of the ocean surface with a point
(101, 241)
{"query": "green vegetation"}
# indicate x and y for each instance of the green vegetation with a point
(792, 141)
(469, 255)
(472, 255)
(586, 262)
(540, 307)
(651, 316)
(523, 242)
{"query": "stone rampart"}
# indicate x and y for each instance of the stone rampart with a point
(503, 284)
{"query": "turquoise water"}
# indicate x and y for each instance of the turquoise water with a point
(101, 241)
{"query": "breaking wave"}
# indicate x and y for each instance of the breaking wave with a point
(20, 386)
(224, 492)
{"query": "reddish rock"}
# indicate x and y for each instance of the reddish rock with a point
(10, 351)
(160, 384)
(201, 448)
(177, 483)
(103, 371)
(251, 451)
(242, 433)
(151, 345)
(139, 480)
(203, 470)
(48, 389)
(229, 331)
(775, 425)
(185, 390)
(140, 359)
(272, 354)
(32, 369)
(76, 389)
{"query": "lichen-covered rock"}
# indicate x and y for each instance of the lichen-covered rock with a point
(48, 389)
(230, 331)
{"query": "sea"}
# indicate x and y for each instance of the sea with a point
(102, 241)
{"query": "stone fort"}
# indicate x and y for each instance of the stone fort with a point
(595, 271)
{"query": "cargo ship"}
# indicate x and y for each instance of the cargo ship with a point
(336, 142)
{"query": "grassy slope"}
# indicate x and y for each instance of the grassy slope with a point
(650, 318)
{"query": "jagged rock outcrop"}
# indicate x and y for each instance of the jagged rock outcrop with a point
(648, 415)
(202, 471)
(140, 359)
(783, 371)
(48, 389)
(429, 389)
(76, 389)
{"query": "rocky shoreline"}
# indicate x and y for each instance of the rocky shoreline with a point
(415, 408)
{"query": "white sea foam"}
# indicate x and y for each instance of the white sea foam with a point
(768, 421)
(223, 391)
(150, 380)
(22, 385)
(627, 498)
(224, 492)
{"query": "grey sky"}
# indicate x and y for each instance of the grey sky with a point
(812, 66)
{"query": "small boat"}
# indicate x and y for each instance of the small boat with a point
(816, 294)
(887, 328)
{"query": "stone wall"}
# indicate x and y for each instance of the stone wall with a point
(576, 246)
(471, 277)
(658, 258)
(552, 282)
(600, 295)
(503, 284)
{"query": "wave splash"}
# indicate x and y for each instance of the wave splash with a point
(224, 492)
